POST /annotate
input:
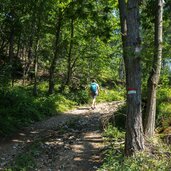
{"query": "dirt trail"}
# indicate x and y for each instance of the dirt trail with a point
(71, 141)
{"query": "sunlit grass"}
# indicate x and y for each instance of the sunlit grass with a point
(156, 157)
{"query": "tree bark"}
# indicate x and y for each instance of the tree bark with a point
(56, 54)
(18, 46)
(35, 68)
(149, 125)
(69, 72)
(122, 12)
(30, 51)
(11, 53)
(134, 140)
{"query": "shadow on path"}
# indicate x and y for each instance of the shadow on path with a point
(71, 141)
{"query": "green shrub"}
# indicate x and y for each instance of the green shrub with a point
(19, 108)
(80, 96)
(164, 94)
(5, 76)
(163, 107)
(157, 160)
(107, 95)
(112, 133)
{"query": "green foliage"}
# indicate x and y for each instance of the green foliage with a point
(112, 133)
(82, 96)
(164, 94)
(110, 95)
(79, 96)
(120, 118)
(165, 77)
(4, 76)
(164, 107)
(19, 108)
(115, 160)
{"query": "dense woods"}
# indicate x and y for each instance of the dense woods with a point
(51, 50)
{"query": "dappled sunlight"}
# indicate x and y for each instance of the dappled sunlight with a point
(72, 140)
(18, 141)
(95, 158)
(22, 134)
(56, 142)
(34, 132)
(23, 137)
(77, 148)
(78, 159)
(94, 139)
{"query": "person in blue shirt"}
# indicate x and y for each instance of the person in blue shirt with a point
(94, 91)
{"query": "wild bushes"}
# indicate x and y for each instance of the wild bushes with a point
(19, 108)
(163, 107)
(107, 95)
(156, 157)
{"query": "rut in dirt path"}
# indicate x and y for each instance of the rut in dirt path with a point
(71, 141)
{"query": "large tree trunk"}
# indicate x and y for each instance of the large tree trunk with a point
(134, 140)
(56, 54)
(149, 125)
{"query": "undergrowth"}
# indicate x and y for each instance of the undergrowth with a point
(83, 96)
(163, 118)
(18, 108)
(156, 157)
(107, 95)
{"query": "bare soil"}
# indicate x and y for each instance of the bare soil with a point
(71, 141)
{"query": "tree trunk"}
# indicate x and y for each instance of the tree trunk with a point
(18, 46)
(25, 64)
(134, 140)
(29, 59)
(35, 69)
(122, 11)
(56, 54)
(149, 125)
(11, 53)
(30, 48)
(69, 72)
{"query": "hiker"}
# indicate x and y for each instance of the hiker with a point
(94, 91)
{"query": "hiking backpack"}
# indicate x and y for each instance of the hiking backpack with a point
(93, 87)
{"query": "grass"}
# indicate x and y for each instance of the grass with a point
(163, 118)
(156, 157)
(107, 95)
(19, 108)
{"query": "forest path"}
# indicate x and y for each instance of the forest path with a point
(71, 141)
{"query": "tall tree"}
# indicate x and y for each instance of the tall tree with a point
(56, 52)
(11, 52)
(69, 72)
(149, 125)
(134, 140)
